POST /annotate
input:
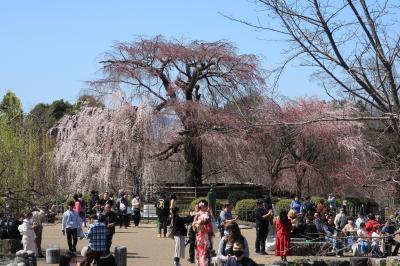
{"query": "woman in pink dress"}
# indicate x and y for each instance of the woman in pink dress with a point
(283, 230)
(204, 232)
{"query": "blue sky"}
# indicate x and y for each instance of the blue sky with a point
(49, 48)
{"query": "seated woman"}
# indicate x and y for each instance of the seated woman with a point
(375, 243)
(349, 230)
(363, 244)
(299, 226)
(310, 229)
(225, 248)
(292, 214)
(332, 235)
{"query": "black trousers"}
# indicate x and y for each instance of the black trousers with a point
(72, 238)
(123, 219)
(109, 242)
(192, 243)
(136, 216)
(92, 256)
(261, 237)
(388, 247)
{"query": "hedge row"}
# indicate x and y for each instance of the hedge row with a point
(351, 202)
(245, 209)
(236, 196)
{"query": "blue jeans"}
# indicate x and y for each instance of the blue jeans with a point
(337, 245)
(363, 247)
(350, 242)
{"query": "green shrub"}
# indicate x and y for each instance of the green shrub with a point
(316, 199)
(245, 209)
(358, 202)
(85, 197)
(352, 202)
(235, 196)
(2, 203)
(339, 202)
(283, 204)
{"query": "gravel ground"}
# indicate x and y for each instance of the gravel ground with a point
(143, 247)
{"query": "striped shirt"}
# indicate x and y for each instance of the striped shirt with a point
(97, 236)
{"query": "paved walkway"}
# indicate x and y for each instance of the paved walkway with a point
(142, 245)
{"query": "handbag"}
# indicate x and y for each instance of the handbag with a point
(169, 232)
(170, 228)
(81, 234)
(216, 226)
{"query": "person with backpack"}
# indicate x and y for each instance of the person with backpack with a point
(162, 211)
(122, 207)
(308, 207)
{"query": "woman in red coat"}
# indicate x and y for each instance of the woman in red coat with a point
(283, 229)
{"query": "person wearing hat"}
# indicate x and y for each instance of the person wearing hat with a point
(179, 232)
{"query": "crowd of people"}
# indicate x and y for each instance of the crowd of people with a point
(200, 228)
(321, 221)
(364, 235)
(326, 220)
(100, 215)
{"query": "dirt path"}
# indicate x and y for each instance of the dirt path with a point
(143, 246)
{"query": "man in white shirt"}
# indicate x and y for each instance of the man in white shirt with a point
(71, 222)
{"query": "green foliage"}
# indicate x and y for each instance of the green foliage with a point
(358, 202)
(316, 199)
(44, 116)
(339, 202)
(239, 195)
(11, 107)
(2, 203)
(86, 198)
(283, 204)
(26, 160)
(88, 100)
(245, 209)
(59, 108)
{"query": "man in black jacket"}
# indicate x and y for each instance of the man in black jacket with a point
(179, 232)
(109, 218)
(122, 208)
(262, 221)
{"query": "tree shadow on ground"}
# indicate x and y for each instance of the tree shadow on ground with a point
(133, 255)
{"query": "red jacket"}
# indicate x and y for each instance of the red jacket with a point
(371, 226)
